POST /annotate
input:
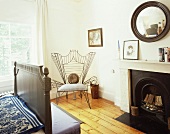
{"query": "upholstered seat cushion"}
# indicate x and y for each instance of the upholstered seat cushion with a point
(72, 87)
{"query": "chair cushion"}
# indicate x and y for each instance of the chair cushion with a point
(73, 78)
(72, 87)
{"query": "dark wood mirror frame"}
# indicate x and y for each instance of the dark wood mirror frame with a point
(142, 7)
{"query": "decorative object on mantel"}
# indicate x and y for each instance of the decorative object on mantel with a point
(168, 54)
(164, 54)
(161, 55)
(118, 50)
(130, 49)
(95, 38)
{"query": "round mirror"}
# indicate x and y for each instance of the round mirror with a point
(151, 21)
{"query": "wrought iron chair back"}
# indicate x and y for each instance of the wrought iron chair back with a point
(73, 63)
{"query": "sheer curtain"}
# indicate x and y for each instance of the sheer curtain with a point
(41, 31)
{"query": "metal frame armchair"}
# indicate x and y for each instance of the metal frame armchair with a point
(73, 69)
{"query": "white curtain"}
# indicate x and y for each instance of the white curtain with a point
(41, 31)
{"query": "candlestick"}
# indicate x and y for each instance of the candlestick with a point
(118, 50)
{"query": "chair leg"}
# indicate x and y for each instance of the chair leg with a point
(67, 95)
(87, 98)
(80, 94)
(74, 95)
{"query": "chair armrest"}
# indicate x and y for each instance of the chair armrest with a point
(92, 80)
(56, 84)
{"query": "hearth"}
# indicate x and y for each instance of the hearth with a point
(150, 93)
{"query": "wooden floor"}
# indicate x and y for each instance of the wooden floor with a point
(100, 119)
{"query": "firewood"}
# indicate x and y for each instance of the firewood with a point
(151, 98)
(146, 98)
(158, 101)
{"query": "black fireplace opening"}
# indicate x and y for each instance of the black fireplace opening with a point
(150, 93)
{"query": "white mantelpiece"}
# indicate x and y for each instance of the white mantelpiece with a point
(126, 65)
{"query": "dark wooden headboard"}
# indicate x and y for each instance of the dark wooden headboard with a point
(33, 85)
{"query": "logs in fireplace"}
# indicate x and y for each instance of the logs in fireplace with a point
(150, 92)
(153, 103)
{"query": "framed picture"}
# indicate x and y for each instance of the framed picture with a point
(95, 38)
(130, 49)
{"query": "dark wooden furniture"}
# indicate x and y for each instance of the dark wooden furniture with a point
(33, 85)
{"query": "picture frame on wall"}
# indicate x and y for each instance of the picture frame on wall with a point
(131, 49)
(95, 37)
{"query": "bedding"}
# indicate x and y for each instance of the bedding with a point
(63, 122)
(16, 118)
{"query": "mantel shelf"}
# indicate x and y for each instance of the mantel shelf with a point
(145, 61)
(154, 66)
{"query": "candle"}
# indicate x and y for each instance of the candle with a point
(118, 46)
(118, 50)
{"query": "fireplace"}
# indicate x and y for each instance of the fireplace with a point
(150, 92)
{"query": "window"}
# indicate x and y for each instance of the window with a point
(15, 45)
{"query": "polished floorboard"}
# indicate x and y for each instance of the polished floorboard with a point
(100, 119)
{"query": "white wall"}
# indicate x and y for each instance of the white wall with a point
(21, 11)
(115, 18)
(69, 22)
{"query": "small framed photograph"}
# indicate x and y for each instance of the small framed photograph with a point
(95, 38)
(130, 49)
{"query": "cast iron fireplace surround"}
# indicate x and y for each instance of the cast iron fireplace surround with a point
(145, 82)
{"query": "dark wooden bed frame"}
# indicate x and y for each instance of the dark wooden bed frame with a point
(33, 85)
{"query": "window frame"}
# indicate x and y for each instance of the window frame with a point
(9, 76)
